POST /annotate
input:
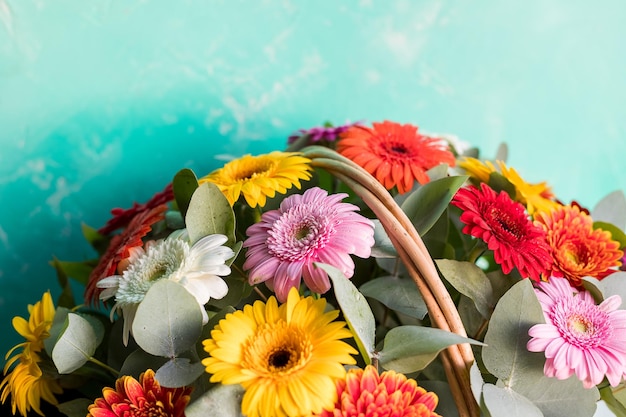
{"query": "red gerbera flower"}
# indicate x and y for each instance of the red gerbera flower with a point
(119, 249)
(121, 217)
(578, 250)
(145, 397)
(365, 393)
(395, 154)
(506, 228)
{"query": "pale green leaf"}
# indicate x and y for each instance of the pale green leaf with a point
(168, 320)
(504, 402)
(426, 204)
(556, 398)
(221, 400)
(179, 372)
(611, 285)
(616, 407)
(58, 325)
(210, 213)
(611, 209)
(138, 361)
(469, 280)
(356, 311)
(505, 355)
(184, 184)
(383, 248)
(616, 233)
(408, 349)
(76, 345)
(476, 382)
(446, 406)
(398, 294)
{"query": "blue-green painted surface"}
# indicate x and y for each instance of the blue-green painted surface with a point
(102, 101)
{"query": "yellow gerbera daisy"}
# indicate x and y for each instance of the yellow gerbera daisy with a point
(536, 197)
(26, 383)
(287, 358)
(259, 177)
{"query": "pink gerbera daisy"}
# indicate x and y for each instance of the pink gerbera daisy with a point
(506, 228)
(307, 228)
(579, 337)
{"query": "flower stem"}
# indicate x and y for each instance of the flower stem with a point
(104, 366)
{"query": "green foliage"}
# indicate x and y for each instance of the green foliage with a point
(75, 346)
(356, 311)
(409, 349)
(398, 294)
(220, 400)
(168, 321)
(426, 204)
(184, 184)
(210, 213)
(471, 281)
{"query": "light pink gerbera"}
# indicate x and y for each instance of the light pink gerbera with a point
(579, 337)
(307, 228)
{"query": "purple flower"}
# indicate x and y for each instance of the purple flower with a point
(319, 133)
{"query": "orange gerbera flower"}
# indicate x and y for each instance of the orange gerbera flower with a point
(119, 248)
(366, 393)
(145, 397)
(395, 154)
(578, 250)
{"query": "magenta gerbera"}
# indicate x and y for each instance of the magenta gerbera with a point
(579, 337)
(307, 228)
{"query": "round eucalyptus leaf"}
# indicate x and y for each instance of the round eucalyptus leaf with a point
(505, 355)
(221, 400)
(356, 311)
(168, 320)
(209, 213)
(179, 372)
(504, 402)
(76, 344)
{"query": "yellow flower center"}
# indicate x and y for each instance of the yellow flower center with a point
(580, 324)
(277, 349)
(149, 410)
(258, 167)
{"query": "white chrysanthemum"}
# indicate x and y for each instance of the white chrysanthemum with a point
(198, 268)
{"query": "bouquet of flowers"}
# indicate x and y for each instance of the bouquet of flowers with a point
(361, 271)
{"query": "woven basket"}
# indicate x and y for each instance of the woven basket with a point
(442, 311)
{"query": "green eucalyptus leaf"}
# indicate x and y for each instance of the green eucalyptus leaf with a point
(179, 372)
(184, 184)
(504, 402)
(168, 320)
(409, 349)
(138, 361)
(76, 345)
(619, 393)
(476, 382)
(383, 248)
(555, 397)
(611, 209)
(58, 326)
(210, 213)
(96, 324)
(505, 355)
(356, 311)
(469, 280)
(426, 204)
(221, 400)
(611, 285)
(616, 233)
(398, 294)
(75, 408)
(97, 241)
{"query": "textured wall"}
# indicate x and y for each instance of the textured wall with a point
(102, 101)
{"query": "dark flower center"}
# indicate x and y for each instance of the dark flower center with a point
(506, 223)
(260, 168)
(148, 410)
(302, 232)
(279, 359)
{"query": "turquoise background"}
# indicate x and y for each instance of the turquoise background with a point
(102, 101)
